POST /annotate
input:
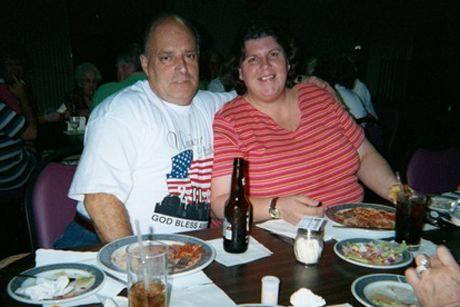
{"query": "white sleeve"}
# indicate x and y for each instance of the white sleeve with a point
(108, 159)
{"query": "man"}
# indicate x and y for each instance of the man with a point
(16, 161)
(129, 71)
(148, 148)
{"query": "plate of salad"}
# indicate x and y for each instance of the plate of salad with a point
(371, 253)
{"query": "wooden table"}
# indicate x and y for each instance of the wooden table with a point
(331, 278)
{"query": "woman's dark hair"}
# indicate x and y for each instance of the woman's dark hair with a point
(261, 28)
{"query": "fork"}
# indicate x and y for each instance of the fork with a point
(182, 262)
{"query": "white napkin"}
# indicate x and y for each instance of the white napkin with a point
(279, 227)
(110, 288)
(426, 247)
(46, 288)
(255, 251)
(306, 298)
(208, 295)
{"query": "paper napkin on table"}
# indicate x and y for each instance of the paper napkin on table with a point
(46, 288)
(279, 227)
(110, 288)
(255, 251)
(426, 247)
(208, 295)
(306, 298)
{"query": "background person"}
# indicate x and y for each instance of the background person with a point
(303, 148)
(87, 78)
(16, 160)
(129, 71)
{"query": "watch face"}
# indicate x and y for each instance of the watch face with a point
(274, 213)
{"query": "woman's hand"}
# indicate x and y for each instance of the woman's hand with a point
(293, 208)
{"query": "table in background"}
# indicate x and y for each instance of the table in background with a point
(331, 278)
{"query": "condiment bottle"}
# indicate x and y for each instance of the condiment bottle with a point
(237, 211)
(308, 244)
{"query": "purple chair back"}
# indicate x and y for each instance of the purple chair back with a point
(434, 172)
(52, 209)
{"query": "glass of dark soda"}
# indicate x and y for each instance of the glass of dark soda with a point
(410, 213)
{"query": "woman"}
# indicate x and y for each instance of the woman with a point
(87, 78)
(303, 148)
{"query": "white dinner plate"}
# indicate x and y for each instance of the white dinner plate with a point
(106, 254)
(441, 203)
(383, 290)
(74, 132)
(74, 270)
(406, 257)
(334, 227)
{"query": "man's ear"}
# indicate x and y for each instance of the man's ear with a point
(144, 64)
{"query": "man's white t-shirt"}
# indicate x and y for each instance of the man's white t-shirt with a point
(362, 91)
(154, 156)
(352, 101)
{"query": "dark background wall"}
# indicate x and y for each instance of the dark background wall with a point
(409, 57)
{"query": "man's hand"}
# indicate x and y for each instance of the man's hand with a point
(440, 284)
(293, 208)
(109, 216)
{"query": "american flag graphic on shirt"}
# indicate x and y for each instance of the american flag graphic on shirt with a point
(190, 179)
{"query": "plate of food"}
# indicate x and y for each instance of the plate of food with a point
(363, 215)
(384, 290)
(442, 203)
(56, 283)
(186, 254)
(371, 253)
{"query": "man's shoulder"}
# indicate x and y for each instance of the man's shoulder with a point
(211, 100)
(122, 103)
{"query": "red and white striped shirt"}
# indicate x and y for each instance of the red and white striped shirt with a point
(319, 159)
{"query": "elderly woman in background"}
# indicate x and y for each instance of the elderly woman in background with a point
(303, 148)
(87, 78)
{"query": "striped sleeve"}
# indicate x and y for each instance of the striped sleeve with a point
(11, 123)
(352, 131)
(226, 146)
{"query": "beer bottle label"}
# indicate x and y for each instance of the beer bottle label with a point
(227, 229)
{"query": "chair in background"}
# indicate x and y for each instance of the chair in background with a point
(389, 119)
(434, 172)
(48, 209)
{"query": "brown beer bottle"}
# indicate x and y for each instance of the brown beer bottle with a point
(237, 211)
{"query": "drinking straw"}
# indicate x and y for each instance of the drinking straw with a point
(398, 177)
(143, 256)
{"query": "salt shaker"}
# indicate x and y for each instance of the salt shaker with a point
(308, 244)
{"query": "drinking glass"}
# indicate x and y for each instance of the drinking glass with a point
(74, 122)
(147, 274)
(410, 213)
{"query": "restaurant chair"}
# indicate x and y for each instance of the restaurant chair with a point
(434, 171)
(48, 209)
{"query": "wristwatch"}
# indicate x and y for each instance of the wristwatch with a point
(272, 210)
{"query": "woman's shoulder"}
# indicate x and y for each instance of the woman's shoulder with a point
(234, 107)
